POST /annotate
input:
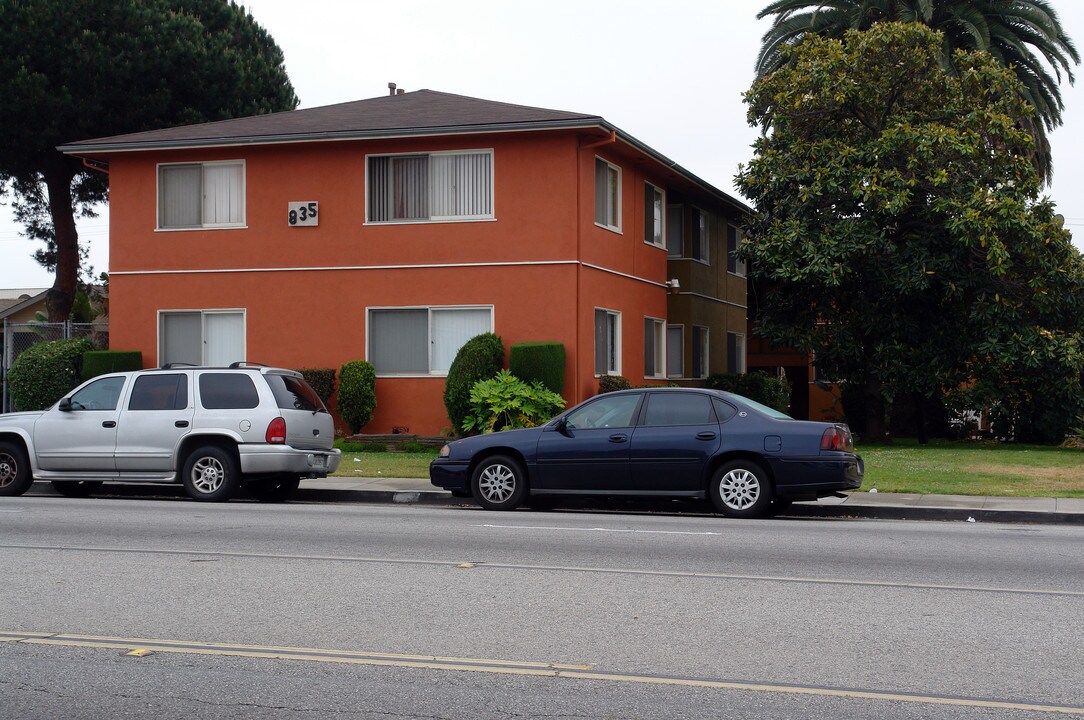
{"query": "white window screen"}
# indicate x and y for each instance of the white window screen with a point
(399, 341)
(654, 205)
(224, 338)
(460, 185)
(606, 327)
(223, 194)
(675, 351)
(700, 235)
(735, 264)
(181, 339)
(180, 189)
(202, 338)
(451, 329)
(430, 187)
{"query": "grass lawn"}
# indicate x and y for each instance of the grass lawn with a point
(948, 468)
(940, 468)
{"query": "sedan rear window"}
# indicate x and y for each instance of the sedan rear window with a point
(293, 393)
(678, 409)
(227, 391)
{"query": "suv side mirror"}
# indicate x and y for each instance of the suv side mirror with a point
(65, 405)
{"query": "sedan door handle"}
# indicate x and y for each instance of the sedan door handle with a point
(181, 423)
(109, 423)
(705, 435)
(618, 438)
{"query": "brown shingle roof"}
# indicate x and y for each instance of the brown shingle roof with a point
(419, 112)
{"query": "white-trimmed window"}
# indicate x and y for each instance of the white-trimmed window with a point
(654, 348)
(429, 187)
(675, 230)
(654, 216)
(607, 342)
(201, 337)
(734, 239)
(607, 195)
(700, 352)
(201, 195)
(422, 340)
(698, 249)
(735, 352)
(675, 351)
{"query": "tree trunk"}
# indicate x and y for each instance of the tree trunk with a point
(61, 297)
(920, 419)
(876, 427)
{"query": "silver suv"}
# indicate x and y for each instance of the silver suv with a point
(212, 429)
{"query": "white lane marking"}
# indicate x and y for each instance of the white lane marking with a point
(597, 529)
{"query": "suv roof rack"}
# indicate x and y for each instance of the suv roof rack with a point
(246, 363)
(172, 365)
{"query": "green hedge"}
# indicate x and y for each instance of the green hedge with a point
(46, 372)
(480, 358)
(102, 362)
(357, 394)
(541, 361)
(760, 386)
(322, 381)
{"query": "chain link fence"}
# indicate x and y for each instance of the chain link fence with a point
(18, 337)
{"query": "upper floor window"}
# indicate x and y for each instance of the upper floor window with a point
(675, 230)
(654, 215)
(607, 195)
(430, 187)
(734, 239)
(201, 195)
(699, 244)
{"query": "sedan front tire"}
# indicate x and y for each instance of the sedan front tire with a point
(499, 483)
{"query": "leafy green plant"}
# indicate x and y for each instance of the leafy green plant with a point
(505, 402)
(1075, 437)
(610, 383)
(356, 447)
(357, 393)
(480, 357)
(322, 381)
(542, 361)
(762, 387)
(46, 372)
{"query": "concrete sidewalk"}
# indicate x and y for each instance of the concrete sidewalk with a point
(857, 504)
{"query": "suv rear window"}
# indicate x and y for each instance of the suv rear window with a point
(293, 393)
(227, 391)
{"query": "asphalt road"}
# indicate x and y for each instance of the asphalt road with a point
(310, 610)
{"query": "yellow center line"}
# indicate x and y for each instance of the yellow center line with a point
(476, 564)
(507, 667)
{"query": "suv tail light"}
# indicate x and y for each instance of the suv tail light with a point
(837, 438)
(276, 432)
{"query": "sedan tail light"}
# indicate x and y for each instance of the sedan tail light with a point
(838, 438)
(276, 432)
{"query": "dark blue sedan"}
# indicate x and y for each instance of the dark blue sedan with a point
(749, 459)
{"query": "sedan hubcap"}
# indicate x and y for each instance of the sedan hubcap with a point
(739, 489)
(497, 483)
(207, 474)
(8, 470)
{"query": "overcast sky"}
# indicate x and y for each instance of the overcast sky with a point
(670, 74)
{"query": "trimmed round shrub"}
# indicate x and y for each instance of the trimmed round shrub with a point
(357, 394)
(611, 383)
(480, 358)
(102, 362)
(541, 361)
(46, 372)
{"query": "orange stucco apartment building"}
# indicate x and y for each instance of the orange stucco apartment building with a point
(393, 229)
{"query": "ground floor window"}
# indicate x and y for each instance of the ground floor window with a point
(654, 348)
(675, 351)
(700, 352)
(607, 342)
(422, 341)
(201, 337)
(735, 351)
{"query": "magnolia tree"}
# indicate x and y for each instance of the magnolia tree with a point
(900, 232)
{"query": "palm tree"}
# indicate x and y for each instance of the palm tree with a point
(1025, 35)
